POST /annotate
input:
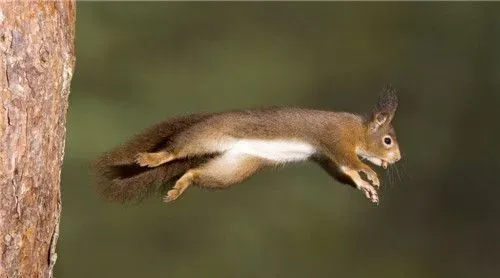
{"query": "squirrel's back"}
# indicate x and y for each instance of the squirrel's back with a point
(273, 123)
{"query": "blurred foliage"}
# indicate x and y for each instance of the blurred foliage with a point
(138, 63)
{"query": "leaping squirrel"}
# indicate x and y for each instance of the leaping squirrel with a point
(221, 149)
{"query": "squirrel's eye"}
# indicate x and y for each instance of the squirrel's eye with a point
(387, 140)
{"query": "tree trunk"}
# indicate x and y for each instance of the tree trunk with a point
(36, 66)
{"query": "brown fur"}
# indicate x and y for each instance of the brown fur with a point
(189, 148)
(121, 179)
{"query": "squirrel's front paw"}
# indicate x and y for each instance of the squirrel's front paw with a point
(373, 178)
(370, 191)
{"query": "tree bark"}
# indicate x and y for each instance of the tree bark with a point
(36, 66)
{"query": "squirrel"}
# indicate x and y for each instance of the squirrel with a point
(217, 150)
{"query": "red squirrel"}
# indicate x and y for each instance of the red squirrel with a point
(218, 150)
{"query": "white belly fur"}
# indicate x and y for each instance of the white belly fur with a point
(275, 150)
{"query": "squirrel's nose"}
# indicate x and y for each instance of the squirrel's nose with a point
(397, 156)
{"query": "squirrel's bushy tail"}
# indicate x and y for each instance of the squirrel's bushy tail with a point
(120, 179)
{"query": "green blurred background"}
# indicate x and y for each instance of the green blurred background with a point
(139, 63)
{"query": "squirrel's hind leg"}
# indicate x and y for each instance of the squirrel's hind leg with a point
(195, 147)
(154, 159)
(181, 185)
(220, 172)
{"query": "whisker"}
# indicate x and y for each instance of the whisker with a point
(398, 175)
(393, 177)
(405, 170)
(389, 179)
(388, 175)
(386, 180)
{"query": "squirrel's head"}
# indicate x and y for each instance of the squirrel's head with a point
(381, 146)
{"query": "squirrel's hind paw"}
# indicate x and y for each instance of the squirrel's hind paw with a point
(171, 195)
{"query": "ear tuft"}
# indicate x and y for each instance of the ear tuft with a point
(385, 109)
(388, 100)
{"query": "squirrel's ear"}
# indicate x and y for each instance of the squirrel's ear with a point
(385, 109)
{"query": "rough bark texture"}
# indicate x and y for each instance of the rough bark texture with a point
(36, 66)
